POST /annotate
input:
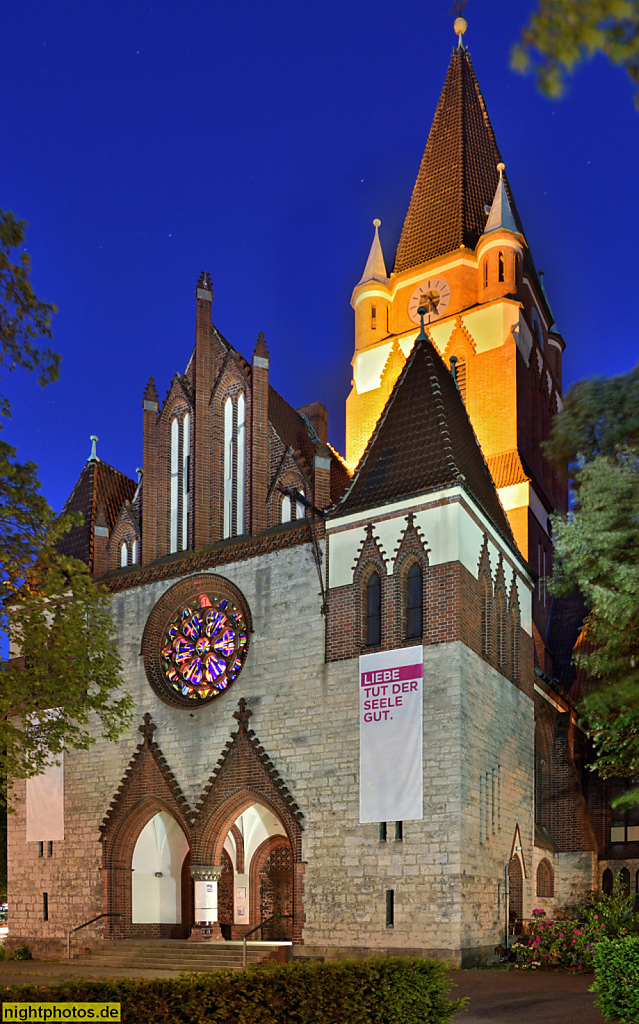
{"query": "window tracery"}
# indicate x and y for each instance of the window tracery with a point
(196, 641)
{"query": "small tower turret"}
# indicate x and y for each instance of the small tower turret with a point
(500, 249)
(371, 297)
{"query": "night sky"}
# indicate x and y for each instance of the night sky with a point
(145, 142)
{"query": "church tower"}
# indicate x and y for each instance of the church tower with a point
(463, 255)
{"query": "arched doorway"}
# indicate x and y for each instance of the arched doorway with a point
(258, 872)
(156, 877)
(276, 892)
(516, 900)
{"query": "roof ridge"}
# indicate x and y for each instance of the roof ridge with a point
(439, 406)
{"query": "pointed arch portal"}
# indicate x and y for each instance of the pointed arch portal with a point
(246, 824)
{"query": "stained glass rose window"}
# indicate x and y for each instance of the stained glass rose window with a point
(203, 642)
(204, 647)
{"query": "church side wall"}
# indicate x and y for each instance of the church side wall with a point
(497, 744)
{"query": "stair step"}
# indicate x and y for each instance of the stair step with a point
(173, 955)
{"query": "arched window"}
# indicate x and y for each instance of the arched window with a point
(287, 514)
(228, 467)
(607, 881)
(486, 273)
(501, 266)
(460, 377)
(241, 448)
(186, 458)
(300, 509)
(175, 477)
(179, 483)
(124, 555)
(414, 599)
(545, 879)
(373, 318)
(624, 877)
(134, 552)
(374, 610)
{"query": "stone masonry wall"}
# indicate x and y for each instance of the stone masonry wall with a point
(305, 715)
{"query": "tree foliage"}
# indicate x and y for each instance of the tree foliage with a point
(24, 318)
(597, 553)
(66, 680)
(562, 34)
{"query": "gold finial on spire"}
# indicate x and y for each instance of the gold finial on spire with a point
(501, 167)
(460, 26)
(377, 223)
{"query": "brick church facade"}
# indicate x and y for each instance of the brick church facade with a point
(250, 567)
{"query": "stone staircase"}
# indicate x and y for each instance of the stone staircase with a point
(150, 955)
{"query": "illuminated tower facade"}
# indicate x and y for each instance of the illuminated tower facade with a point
(463, 255)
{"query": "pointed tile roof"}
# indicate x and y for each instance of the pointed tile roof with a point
(375, 269)
(100, 488)
(500, 216)
(423, 441)
(458, 175)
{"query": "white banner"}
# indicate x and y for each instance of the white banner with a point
(390, 735)
(45, 804)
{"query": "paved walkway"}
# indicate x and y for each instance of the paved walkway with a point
(496, 997)
(50, 972)
(513, 997)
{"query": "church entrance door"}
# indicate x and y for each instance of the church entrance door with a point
(276, 894)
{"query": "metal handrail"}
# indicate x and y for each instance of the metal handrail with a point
(256, 929)
(80, 926)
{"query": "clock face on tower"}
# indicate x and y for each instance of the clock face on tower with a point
(433, 295)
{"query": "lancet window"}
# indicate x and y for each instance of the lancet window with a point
(414, 601)
(179, 485)
(374, 610)
(234, 461)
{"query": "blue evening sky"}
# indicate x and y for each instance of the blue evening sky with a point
(146, 141)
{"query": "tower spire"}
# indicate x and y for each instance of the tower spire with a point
(457, 177)
(375, 269)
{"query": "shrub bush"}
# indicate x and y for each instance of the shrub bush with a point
(569, 942)
(617, 979)
(397, 989)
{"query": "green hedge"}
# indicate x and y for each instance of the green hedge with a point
(380, 991)
(617, 979)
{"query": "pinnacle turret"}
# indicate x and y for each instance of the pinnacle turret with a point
(500, 215)
(375, 269)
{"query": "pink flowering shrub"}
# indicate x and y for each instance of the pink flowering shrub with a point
(569, 942)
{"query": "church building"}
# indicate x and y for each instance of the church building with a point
(354, 706)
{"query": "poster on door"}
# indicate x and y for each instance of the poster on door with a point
(391, 735)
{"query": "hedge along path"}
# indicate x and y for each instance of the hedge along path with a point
(400, 990)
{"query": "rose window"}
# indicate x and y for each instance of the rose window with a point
(204, 647)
